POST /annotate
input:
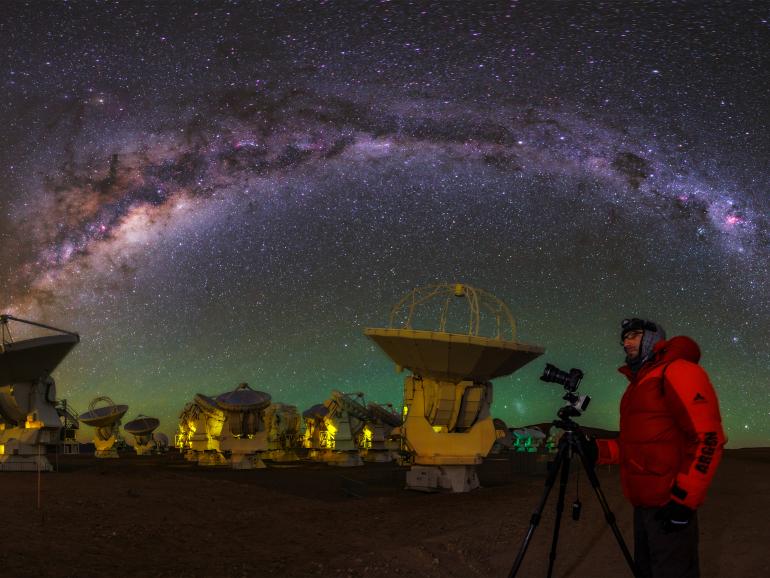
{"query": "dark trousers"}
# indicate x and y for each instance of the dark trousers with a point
(664, 555)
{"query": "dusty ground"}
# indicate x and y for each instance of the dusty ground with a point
(164, 517)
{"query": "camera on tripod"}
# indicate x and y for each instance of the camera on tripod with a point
(572, 442)
(576, 404)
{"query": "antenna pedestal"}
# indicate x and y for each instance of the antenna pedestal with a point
(104, 441)
(29, 424)
(333, 430)
(245, 453)
(282, 422)
(381, 446)
(448, 428)
(147, 448)
(206, 425)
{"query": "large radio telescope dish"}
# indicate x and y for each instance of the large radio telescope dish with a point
(28, 360)
(447, 425)
(454, 356)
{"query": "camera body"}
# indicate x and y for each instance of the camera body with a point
(576, 404)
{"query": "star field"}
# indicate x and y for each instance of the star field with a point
(218, 192)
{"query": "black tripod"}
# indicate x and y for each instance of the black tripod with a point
(571, 443)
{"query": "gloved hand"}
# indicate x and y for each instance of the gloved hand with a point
(590, 450)
(674, 517)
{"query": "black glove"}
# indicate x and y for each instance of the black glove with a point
(590, 450)
(674, 517)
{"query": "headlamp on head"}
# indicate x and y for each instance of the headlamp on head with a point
(635, 324)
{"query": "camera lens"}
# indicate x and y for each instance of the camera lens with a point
(570, 380)
(553, 374)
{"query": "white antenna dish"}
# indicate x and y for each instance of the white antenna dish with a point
(142, 429)
(142, 425)
(105, 420)
(103, 416)
(383, 415)
(244, 410)
(243, 399)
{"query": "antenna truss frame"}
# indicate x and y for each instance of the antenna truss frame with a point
(478, 300)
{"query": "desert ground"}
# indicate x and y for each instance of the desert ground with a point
(162, 516)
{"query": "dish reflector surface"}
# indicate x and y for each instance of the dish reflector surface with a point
(103, 416)
(30, 359)
(243, 398)
(208, 405)
(317, 411)
(452, 356)
(142, 425)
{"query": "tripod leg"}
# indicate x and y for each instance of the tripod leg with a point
(608, 515)
(535, 519)
(559, 508)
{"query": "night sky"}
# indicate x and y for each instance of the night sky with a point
(218, 192)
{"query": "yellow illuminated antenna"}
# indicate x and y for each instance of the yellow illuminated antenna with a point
(448, 427)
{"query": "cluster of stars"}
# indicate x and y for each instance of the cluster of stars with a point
(221, 193)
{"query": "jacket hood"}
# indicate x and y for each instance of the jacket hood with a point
(679, 347)
(666, 351)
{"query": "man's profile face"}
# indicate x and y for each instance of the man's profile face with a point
(632, 342)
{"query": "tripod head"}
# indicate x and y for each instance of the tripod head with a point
(567, 425)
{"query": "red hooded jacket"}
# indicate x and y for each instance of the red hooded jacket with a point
(671, 436)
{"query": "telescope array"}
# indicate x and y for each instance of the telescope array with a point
(445, 430)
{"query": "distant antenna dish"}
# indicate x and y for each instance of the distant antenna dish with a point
(103, 416)
(379, 413)
(528, 432)
(161, 440)
(105, 420)
(317, 411)
(243, 406)
(243, 399)
(141, 428)
(208, 405)
(348, 403)
(244, 409)
(142, 425)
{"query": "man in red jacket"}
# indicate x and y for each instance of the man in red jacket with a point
(670, 444)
